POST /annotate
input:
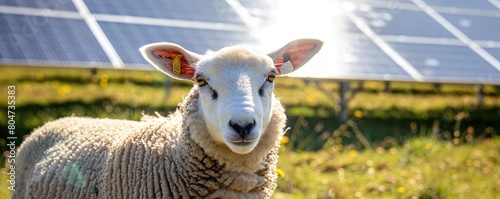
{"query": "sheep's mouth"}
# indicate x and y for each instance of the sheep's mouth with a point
(242, 142)
(241, 146)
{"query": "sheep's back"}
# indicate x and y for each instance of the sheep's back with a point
(143, 164)
(64, 158)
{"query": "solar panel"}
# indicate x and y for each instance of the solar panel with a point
(454, 41)
(40, 40)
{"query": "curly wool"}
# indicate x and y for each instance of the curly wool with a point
(161, 157)
(64, 158)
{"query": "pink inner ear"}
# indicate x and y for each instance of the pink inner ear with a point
(295, 55)
(301, 48)
(169, 55)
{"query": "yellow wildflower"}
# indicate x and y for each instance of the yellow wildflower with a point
(358, 113)
(280, 173)
(284, 140)
(428, 146)
(64, 89)
(353, 153)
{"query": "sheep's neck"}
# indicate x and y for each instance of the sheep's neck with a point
(207, 178)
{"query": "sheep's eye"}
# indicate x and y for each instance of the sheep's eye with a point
(270, 78)
(201, 81)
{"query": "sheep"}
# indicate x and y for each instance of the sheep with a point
(221, 142)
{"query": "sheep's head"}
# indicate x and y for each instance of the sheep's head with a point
(235, 85)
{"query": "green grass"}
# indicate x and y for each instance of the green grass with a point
(4, 191)
(423, 167)
(399, 142)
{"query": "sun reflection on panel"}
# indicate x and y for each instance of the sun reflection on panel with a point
(322, 19)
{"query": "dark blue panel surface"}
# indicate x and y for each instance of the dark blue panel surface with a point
(195, 10)
(471, 4)
(477, 28)
(495, 52)
(403, 22)
(43, 4)
(128, 38)
(34, 39)
(451, 63)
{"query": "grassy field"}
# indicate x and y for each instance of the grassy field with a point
(409, 140)
(421, 168)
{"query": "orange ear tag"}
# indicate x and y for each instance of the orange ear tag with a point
(176, 64)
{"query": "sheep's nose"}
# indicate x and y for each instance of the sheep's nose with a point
(242, 129)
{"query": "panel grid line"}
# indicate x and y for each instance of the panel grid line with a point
(99, 34)
(39, 12)
(397, 5)
(168, 22)
(243, 13)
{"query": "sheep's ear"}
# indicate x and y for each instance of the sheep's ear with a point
(295, 54)
(171, 59)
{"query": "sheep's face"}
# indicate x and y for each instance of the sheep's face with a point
(235, 85)
(236, 93)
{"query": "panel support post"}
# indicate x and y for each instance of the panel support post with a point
(344, 88)
(479, 93)
(387, 86)
(437, 86)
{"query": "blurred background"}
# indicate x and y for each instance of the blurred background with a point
(403, 101)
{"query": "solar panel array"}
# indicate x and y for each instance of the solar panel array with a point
(452, 41)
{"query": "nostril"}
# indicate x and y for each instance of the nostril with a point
(242, 129)
(249, 125)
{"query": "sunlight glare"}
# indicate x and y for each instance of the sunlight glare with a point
(320, 19)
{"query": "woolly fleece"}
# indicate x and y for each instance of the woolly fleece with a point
(159, 157)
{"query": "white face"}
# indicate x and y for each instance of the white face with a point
(236, 89)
